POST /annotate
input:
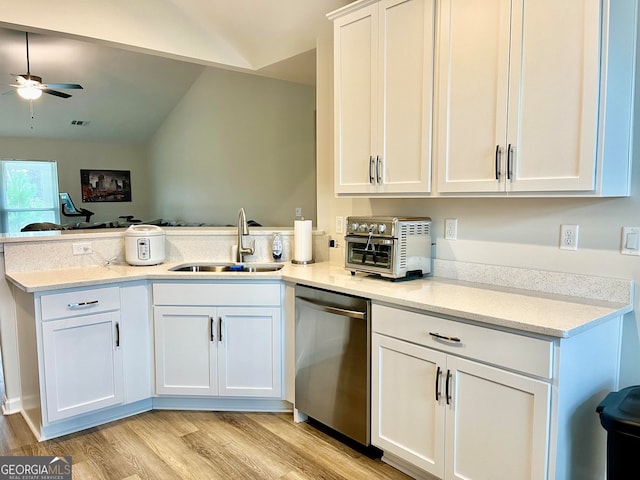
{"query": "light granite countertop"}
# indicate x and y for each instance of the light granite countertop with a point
(517, 309)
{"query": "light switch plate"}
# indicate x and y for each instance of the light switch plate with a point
(630, 241)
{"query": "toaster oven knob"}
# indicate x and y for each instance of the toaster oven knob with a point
(382, 228)
(364, 227)
(354, 226)
(372, 228)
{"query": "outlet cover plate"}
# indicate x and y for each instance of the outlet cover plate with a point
(569, 237)
(83, 248)
(451, 228)
(630, 241)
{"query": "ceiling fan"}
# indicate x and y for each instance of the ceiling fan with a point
(30, 87)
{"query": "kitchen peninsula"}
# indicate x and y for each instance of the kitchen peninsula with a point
(551, 350)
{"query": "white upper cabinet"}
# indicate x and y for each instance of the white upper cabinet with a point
(383, 88)
(535, 97)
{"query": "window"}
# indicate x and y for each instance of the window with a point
(28, 193)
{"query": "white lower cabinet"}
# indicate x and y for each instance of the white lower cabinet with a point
(483, 416)
(84, 356)
(456, 418)
(229, 348)
(456, 400)
(186, 350)
(82, 364)
(497, 423)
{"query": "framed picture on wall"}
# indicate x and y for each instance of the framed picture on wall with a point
(105, 185)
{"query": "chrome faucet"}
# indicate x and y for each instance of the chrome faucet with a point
(243, 229)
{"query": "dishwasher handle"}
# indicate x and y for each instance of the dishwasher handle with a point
(330, 309)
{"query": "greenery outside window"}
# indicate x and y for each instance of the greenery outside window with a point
(28, 193)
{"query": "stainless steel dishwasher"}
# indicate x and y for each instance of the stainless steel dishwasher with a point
(333, 361)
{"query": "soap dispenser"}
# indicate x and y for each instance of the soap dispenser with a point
(276, 246)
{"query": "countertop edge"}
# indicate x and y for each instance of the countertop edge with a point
(331, 277)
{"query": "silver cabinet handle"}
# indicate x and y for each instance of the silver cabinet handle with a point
(372, 179)
(498, 154)
(444, 337)
(82, 304)
(378, 169)
(510, 162)
(438, 373)
(335, 310)
(447, 392)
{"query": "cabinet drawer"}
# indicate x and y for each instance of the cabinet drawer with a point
(529, 355)
(79, 302)
(232, 294)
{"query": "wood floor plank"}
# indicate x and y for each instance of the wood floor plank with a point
(14, 433)
(141, 460)
(348, 462)
(172, 445)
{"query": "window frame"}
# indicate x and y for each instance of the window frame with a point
(5, 211)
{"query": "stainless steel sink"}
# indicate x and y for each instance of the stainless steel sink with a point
(227, 267)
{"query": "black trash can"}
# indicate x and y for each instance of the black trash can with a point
(620, 416)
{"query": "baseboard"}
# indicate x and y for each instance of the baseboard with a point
(221, 404)
(11, 405)
(406, 467)
(83, 422)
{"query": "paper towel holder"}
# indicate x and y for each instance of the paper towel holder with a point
(302, 262)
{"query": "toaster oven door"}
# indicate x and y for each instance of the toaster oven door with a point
(370, 254)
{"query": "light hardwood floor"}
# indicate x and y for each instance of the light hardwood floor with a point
(201, 445)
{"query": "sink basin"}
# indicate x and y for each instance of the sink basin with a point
(227, 267)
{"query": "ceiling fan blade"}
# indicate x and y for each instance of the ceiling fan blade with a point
(56, 93)
(63, 85)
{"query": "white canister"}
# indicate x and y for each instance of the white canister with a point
(144, 245)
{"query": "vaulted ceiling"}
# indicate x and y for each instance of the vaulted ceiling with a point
(135, 60)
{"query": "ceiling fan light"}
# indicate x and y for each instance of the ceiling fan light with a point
(30, 92)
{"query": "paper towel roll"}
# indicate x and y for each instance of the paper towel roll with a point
(302, 251)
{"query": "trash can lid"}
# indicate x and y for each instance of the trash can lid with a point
(620, 411)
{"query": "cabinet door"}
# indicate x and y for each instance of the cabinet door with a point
(250, 352)
(186, 348)
(355, 91)
(553, 94)
(407, 419)
(406, 93)
(472, 70)
(497, 424)
(82, 365)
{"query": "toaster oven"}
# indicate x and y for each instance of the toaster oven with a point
(392, 247)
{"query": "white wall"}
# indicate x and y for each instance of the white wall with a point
(520, 232)
(236, 140)
(72, 156)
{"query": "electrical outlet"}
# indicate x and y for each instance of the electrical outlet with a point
(339, 224)
(569, 237)
(83, 248)
(450, 228)
(298, 211)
